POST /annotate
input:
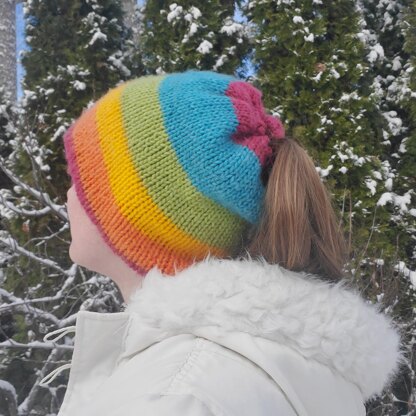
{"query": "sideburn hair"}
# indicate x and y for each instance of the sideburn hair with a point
(298, 228)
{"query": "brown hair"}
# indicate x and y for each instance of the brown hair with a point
(298, 227)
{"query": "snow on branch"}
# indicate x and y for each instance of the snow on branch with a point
(42, 197)
(24, 212)
(21, 306)
(59, 295)
(13, 245)
(36, 344)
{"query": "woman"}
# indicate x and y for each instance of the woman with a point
(225, 247)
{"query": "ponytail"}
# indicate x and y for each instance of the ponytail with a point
(298, 228)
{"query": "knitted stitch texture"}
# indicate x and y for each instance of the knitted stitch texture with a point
(168, 167)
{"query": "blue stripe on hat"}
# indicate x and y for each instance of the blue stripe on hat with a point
(200, 121)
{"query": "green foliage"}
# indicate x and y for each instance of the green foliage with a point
(77, 52)
(391, 23)
(407, 162)
(8, 120)
(314, 71)
(192, 34)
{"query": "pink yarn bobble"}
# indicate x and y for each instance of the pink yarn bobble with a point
(256, 128)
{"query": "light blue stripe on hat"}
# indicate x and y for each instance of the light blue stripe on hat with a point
(200, 121)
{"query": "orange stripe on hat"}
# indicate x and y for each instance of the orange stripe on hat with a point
(138, 249)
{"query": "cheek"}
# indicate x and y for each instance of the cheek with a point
(85, 238)
(87, 247)
(81, 232)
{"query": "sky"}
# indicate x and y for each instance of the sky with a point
(20, 45)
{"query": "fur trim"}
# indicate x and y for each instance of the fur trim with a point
(323, 321)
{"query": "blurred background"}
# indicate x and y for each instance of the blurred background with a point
(341, 76)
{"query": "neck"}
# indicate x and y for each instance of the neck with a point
(128, 282)
(126, 279)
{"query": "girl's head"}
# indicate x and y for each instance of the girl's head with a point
(172, 168)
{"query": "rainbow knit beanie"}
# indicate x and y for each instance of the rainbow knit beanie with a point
(169, 167)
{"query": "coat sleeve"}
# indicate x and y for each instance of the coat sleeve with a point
(166, 405)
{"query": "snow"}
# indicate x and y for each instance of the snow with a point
(117, 61)
(402, 147)
(324, 172)
(402, 268)
(386, 197)
(196, 13)
(205, 47)
(380, 297)
(335, 73)
(377, 175)
(371, 184)
(230, 27)
(188, 17)
(220, 62)
(347, 97)
(298, 19)
(309, 38)
(396, 64)
(395, 123)
(59, 132)
(78, 85)
(317, 77)
(343, 170)
(175, 12)
(342, 157)
(98, 36)
(71, 69)
(400, 201)
(376, 53)
(193, 28)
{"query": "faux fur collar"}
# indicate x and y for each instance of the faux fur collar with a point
(323, 321)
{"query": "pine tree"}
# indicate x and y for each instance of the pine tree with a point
(8, 116)
(385, 26)
(406, 168)
(312, 65)
(192, 35)
(77, 52)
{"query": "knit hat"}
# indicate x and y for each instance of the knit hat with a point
(169, 167)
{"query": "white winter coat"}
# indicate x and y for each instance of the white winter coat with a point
(232, 338)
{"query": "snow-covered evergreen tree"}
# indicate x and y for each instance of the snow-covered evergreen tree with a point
(312, 65)
(386, 30)
(8, 116)
(385, 26)
(77, 52)
(192, 34)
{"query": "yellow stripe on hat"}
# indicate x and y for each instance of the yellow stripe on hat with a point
(130, 194)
